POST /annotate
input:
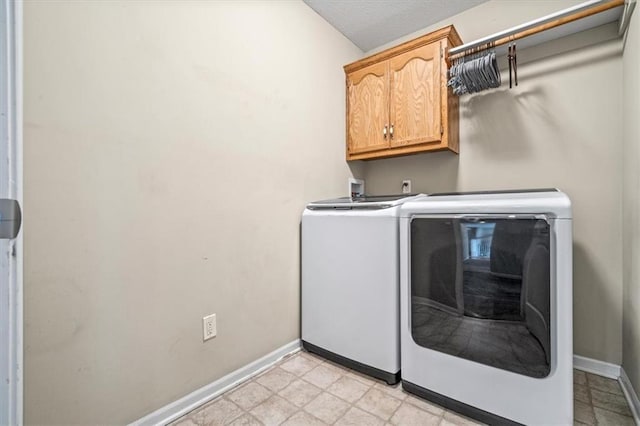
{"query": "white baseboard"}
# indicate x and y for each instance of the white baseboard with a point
(631, 395)
(594, 366)
(201, 396)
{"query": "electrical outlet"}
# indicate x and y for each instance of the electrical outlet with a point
(209, 327)
(406, 186)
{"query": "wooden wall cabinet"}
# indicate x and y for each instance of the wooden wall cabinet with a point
(398, 102)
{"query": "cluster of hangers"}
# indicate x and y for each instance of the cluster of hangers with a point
(477, 70)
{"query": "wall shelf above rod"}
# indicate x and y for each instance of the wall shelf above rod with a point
(578, 18)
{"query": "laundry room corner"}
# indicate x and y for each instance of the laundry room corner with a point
(312, 212)
(631, 211)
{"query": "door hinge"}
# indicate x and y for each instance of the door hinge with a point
(10, 218)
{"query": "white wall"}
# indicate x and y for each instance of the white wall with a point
(561, 127)
(631, 204)
(170, 147)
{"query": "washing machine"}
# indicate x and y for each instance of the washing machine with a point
(350, 283)
(486, 304)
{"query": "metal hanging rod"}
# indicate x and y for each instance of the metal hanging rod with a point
(629, 5)
(548, 22)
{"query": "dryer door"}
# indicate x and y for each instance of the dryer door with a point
(480, 289)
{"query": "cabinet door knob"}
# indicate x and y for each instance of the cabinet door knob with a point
(384, 131)
(391, 131)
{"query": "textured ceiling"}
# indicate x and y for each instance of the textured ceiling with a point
(372, 23)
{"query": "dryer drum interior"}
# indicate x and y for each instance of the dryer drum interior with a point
(480, 289)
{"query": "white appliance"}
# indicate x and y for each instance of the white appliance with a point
(350, 283)
(486, 304)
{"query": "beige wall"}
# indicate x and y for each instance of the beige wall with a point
(631, 204)
(561, 127)
(170, 147)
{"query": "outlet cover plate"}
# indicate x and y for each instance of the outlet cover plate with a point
(209, 327)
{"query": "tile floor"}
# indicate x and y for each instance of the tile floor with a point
(306, 390)
(599, 401)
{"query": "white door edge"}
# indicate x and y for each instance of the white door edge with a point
(11, 337)
(19, 336)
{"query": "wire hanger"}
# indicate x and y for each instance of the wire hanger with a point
(513, 63)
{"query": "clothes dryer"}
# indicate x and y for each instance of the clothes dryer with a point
(486, 304)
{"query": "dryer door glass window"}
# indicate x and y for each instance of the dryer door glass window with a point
(480, 290)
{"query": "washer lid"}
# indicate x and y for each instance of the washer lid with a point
(364, 202)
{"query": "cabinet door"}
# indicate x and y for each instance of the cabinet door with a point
(415, 96)
(368, 109)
